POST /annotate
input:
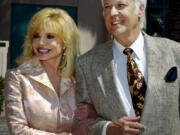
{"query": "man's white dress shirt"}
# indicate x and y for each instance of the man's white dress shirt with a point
(120, 65)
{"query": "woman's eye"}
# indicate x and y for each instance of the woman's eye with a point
(50, 36)
(36, 36)
(107, 6)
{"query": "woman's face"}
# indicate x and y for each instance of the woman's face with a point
(47, 46)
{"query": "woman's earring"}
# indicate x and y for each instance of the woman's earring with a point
(64, 52)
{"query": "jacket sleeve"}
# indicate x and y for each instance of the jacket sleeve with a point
(82, 97)
(81, 86)
(15, 115)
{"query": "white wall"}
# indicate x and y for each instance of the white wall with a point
(3, 57)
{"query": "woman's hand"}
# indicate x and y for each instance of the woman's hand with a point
(81, 127)
(85, 111)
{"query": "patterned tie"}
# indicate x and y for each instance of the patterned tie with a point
(136, 82)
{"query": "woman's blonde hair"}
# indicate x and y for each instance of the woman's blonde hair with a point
(64, 27)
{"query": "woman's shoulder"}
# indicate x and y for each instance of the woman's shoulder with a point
(29, 67)
(12, 75)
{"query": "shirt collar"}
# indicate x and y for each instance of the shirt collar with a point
(137, 46)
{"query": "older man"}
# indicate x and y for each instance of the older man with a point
(132, 80)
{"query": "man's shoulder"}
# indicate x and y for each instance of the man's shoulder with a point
(160, 39)
(99, 49)
(164, 47)
(161, 42)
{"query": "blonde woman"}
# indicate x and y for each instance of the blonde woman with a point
(39, 93)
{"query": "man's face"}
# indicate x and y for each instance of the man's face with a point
(120, 17)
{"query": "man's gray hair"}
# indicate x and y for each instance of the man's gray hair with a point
(138, 3)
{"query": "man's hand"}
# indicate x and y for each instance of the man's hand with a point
(125, 126)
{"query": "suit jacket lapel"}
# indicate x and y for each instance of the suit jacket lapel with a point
(152, 60)
(43, 79)
(107, 80)
(153, 64)
(36, 72)
(156, 69)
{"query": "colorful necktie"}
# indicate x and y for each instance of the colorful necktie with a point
(136, 81)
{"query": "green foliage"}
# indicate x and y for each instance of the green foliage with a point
(1, 93)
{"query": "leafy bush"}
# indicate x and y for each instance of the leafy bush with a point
(1, 93)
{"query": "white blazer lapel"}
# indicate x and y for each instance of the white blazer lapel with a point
(36, 72)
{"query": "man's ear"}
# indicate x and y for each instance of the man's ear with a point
(141, 10)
